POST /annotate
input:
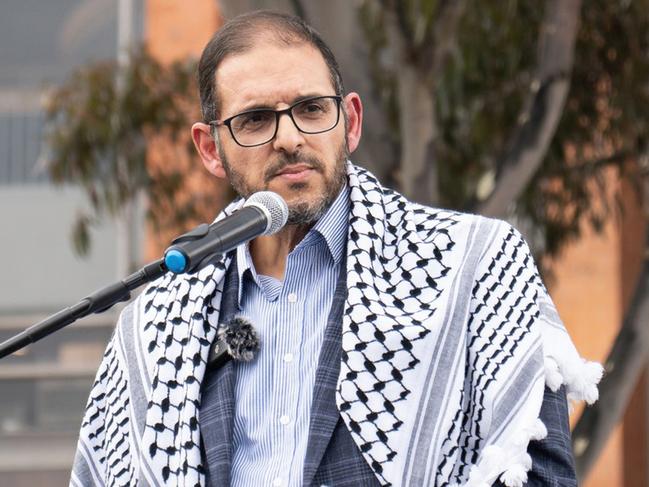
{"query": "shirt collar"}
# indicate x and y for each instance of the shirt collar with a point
(332, 227)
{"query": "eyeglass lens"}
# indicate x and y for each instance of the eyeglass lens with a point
(310, 116)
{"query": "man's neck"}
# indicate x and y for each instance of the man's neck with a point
(269, 253)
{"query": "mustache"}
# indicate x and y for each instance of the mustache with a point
(286, 160)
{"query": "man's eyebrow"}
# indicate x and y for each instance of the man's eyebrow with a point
(306, 97)
(266, 106)
(256, 106)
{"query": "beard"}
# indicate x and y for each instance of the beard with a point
(304, 211)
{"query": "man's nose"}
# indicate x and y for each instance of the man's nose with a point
(288, 137)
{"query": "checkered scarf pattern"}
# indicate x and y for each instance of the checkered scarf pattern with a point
(448, 339)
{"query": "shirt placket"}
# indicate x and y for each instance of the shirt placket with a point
(291, 304)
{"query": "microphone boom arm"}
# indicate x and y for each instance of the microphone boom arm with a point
(263, 213)
(97, 302)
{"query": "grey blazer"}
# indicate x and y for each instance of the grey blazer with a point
(332, 457)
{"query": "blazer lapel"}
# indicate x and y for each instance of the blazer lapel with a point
(324, 413)
(217, 400)
(216, 424)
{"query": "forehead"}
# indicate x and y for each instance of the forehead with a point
(271, 74)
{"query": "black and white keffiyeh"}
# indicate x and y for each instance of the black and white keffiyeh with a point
(449, 337)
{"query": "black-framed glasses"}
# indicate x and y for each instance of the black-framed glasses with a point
(259, 126)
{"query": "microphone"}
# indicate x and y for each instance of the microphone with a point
(236, 340)
(264, 213)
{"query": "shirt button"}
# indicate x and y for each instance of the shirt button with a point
(284, 420)
(292, 298)
(277, 482)
(288, 357)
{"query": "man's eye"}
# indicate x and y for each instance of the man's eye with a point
(253, 120)
(311, 108)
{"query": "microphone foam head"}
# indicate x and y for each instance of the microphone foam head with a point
(274, 206)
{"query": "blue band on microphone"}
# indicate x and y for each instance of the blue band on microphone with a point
(175, 261)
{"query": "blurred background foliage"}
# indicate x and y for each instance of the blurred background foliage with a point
(477, 94)
(99, 137)
(484, 84)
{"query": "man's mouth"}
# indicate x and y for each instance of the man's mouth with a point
(294, 172)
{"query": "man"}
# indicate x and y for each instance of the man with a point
(400, 345)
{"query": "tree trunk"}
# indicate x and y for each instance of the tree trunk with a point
(541, 114)
(418, 132)
(417, 127)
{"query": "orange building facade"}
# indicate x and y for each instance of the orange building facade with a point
(177, 31)
(595, 281)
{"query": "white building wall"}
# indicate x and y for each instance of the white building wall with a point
(39, 270)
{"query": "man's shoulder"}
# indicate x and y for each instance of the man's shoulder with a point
(418, 222)
(430, 220)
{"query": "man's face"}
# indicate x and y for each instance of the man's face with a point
(307, 170)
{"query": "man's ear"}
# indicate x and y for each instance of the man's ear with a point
(354, 111)
(206, 146)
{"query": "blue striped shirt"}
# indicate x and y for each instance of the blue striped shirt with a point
(274, 393)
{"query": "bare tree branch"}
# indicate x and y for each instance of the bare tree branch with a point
(542, 112)
(442, 37)
(623, 367)
(418, 122)
(401, 25)
(419, 66)
(418, 127)
(597, 164)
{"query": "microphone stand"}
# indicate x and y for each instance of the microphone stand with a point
(263, 213)
(97, 302)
